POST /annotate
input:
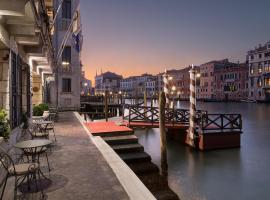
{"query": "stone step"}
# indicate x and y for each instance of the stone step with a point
(135, 157)
(115, 133)
(117, 140)
(158, 185)
(143, 168)
(166, 194)
(153, 181)
(126, 148)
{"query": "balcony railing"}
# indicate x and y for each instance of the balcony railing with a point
(66, 69)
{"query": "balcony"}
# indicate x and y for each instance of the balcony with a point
(66, 69)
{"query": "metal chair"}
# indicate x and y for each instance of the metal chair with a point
(20, 171)
(33, 155)
(35, 133)
(50, 127)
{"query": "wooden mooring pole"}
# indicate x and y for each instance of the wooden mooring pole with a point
(106, 105)
(163, 143)
(145, 103)
(192, 135)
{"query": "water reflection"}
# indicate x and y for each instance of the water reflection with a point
(240, 173)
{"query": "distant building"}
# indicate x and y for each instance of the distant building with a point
(179, 81)
(259, 72)
(223, 80)
(231, 82)
(86, 86)
(107, 81)
(136, 85)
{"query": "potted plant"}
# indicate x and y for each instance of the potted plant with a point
(4, 124)
(39, 109)
(24, 121)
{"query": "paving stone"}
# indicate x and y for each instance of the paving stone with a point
(79, 170)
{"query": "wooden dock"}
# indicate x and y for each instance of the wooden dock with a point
(214, 131)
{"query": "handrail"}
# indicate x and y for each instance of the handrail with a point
(205, 122)
(172, 116)
(223, 122)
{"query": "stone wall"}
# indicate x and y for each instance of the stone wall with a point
(4, 79)
(37, 89)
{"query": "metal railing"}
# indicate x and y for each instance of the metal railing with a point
(147, 114)
(221, 122)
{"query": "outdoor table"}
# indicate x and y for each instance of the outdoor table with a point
(34, 118)
(33, 145)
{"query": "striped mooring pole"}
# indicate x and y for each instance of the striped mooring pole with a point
(166, 88)
(192, 108)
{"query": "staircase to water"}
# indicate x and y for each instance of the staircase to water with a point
(126, 145)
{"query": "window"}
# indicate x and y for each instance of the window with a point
(66, 55)
(260, 55)
(66, 9)
(259, 82)
(251, 69)
(66, 85)
(251, 82)
(260, 68)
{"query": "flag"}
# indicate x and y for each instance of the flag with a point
(77, 38)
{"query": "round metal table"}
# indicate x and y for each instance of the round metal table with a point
(33, 143)
(43, 122)
(34, 147)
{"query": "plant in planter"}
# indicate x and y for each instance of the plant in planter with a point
(4, 124)
(39, 109)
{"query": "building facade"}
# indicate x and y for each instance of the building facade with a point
(107, 81)
(179, 81)
(223, 81)
(231, 82)
(135, 86)
(26, 55)
(259, 73)
(65, 87)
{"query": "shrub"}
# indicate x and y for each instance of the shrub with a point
(39, 109)
(4, 124)
(44, 107)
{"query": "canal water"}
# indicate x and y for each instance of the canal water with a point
(241, 173)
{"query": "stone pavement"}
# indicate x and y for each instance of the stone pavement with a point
(78, 169)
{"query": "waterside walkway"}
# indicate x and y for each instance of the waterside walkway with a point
(79, 170)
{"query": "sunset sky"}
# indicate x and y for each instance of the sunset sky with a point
(131, 37)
